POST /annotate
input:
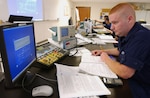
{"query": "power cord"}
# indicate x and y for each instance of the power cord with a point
(42, 77)
(25, 89)
(31, 81)
(76, 51)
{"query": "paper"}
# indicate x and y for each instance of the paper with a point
(98, 41)
(72, 84)
(104, 37)
(107, 38)
(101, 31)
(95, 66)
(110, 41)
(84, 39)
(79, 51)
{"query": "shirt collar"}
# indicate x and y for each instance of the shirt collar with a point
(131, 33)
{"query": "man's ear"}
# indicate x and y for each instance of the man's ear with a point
(130, 18)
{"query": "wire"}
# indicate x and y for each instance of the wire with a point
(75, 52)
(25, 89)
(45, 78)
(36, 75)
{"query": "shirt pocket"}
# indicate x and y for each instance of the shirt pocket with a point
(122, 56)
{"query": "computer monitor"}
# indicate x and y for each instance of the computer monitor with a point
(85, 27)
(88, 26)
(60, 33)
(19, 19)
(18, 51)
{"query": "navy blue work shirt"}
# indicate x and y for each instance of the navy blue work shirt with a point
(135, 53)
(107, 25)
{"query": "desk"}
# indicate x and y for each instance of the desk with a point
(118, 92)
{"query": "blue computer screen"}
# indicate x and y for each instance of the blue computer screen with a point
(20, 48)
(64, 31)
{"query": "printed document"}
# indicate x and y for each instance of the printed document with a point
(79, 51)
(72, 84)
(95, 66)
(107, 38)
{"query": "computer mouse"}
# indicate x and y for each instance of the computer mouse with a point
(42, 90)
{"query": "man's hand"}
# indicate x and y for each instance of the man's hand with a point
(104, 56)
(96, 52)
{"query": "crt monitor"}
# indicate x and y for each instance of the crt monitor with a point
(60, 33)
(18, 51)
(86, 26)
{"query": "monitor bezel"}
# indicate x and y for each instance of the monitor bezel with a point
(57, 32)
(9, 83)
(19, 18)
(60, 37)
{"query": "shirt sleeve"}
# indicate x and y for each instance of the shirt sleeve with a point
(135, 52)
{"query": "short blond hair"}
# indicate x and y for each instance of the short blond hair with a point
(123, 8)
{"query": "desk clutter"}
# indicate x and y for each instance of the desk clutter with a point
(99, 39)
(48, 53)
(85, 80)
(90, 79)
(72, 84)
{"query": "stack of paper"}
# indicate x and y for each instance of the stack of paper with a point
(97, 41)
(95, 66)
(107, 38)
(101, 31)
(79, 51)
(73, 84)
(85, 39)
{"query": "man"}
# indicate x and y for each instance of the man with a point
(105, 24)
(133, 50)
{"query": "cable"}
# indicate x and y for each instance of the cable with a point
(31, 81)
(23, 80)
(45, 78)
(74, 53)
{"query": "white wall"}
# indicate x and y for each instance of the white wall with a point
(95, 8)
(54, 14)
(143, 15)
(53, 11)
(52, 18)
(41, 29)
(3, 10)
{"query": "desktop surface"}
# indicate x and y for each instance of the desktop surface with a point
(117, 92)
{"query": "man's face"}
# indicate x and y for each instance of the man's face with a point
(118, 24)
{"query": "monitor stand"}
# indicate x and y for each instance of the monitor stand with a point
(25, 80)
(1, 71)
(1, 76)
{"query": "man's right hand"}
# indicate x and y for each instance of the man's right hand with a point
(96, 52)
